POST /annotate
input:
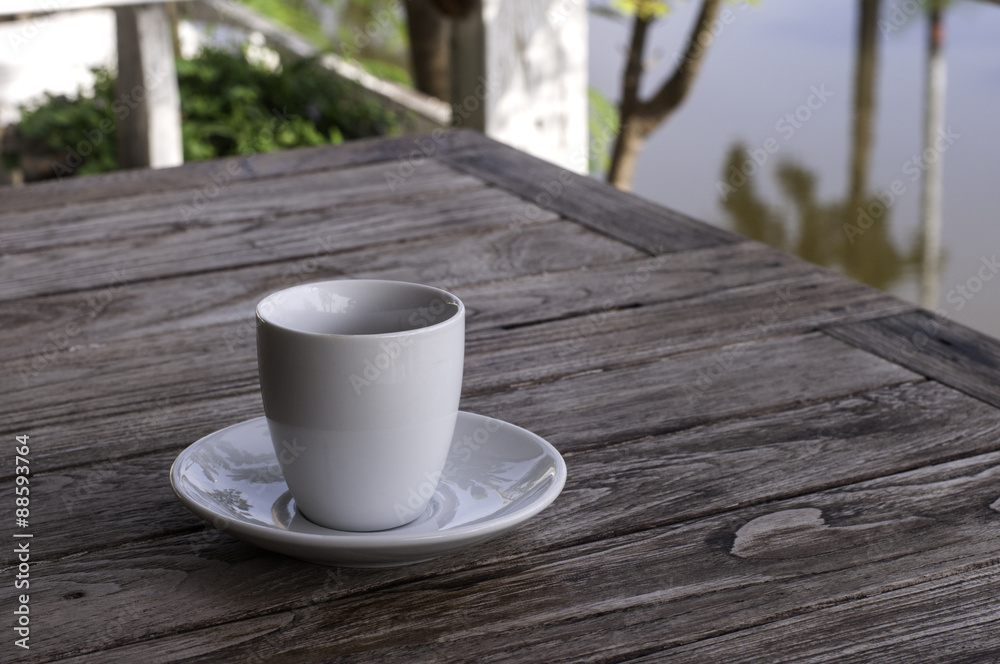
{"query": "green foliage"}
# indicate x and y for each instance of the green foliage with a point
(228, 107)
(60, 123)
(647, 10)
(602, 121)
(650, 10)
(293, 14)
(231, 107)
(367, 30)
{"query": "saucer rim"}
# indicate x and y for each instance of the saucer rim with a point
(382, 540)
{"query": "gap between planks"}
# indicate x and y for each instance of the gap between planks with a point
(935, 346)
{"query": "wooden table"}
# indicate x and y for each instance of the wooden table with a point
(767, 462)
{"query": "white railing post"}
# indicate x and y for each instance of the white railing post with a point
(148, 106)
(519, 74)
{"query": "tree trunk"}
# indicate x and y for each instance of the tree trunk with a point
(629, 141)
(430, 42)
(930, 200)
(864, 104)
(149, 132)
(639, 118)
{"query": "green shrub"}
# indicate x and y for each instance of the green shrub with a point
(59, 123)
(228, 107)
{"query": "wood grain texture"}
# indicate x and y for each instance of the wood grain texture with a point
(195, 300)
(126, 376)
(160, 214)
(594, 204)
(757, 471)
(932, 345)
(658, 588)
(601, 407)
(919, 623)
(683, 475)
(198, 643)
(254, 236)
(631, 331)
(520, 279)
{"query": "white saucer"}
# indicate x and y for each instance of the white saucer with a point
(497, 476)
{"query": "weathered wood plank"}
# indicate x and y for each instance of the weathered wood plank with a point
(198, 643)
(663, 587)
(212, 202)
(224, 352)
(630, 331)
(732, 477)
(120, 311)
(509, 279)
(594, 204)
(685, 475)
(676, 585)
(671, 277)
(935, 346)
(401, 153)
(252, 241)
(954, 619)
(225, 349)
(601, 407)
(597, 407)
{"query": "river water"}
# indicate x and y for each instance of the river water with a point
(778, 81)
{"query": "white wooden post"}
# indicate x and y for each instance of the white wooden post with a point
(519, 74)
(147, 105)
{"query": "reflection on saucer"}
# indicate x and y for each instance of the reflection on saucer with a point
(497, 476)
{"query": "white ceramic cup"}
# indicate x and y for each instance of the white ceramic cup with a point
(360, 381)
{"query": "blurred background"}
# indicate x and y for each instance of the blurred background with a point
(859, 135)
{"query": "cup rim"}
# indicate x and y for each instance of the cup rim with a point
(459, 313)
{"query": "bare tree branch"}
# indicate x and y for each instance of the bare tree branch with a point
(675, 89)
(633, 67)
(638, 118)
(625, 151)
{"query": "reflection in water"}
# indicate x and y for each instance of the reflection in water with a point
(930, 199)
(852, 235)
(815, 230)
(865, 68)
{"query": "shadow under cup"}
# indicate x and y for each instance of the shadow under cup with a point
(361, 381)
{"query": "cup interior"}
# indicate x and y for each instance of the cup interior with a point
(358, 307)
